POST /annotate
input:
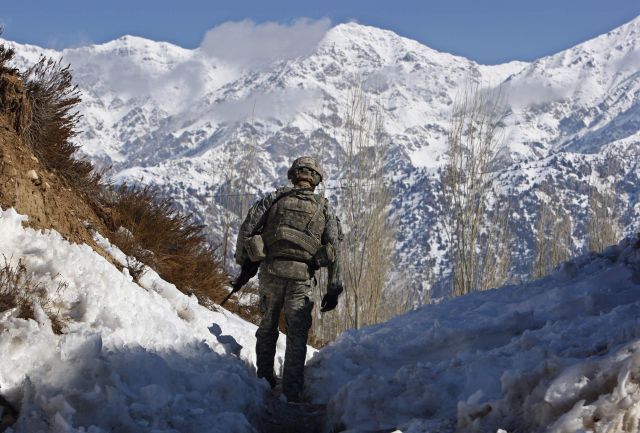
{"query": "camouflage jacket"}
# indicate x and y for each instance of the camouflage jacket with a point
(257, 217)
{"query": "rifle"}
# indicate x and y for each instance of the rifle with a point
(248, 270)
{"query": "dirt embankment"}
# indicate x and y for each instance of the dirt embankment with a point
(41, 177)
(48, 201)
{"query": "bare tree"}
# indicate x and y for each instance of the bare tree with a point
(603, 228)
(222, 205)
(363, 200)
(553, 236)
(230, 203)
(401, 299)
(364, 205)
(478, 236)
(495, 249)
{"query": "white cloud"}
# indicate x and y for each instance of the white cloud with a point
(246, 44)
(630, 60)
(175, 80)
(283, 105)
(524, 93)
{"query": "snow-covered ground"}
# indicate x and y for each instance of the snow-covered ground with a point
(132, 358)
(560, 354)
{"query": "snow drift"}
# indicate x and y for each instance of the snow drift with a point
(132, 358)
(560, 354)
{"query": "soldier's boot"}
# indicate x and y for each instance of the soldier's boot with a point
(269, 378)
(298, 325)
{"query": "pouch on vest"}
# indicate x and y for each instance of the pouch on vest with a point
(325, 256)
(255, 248)
(289, 269)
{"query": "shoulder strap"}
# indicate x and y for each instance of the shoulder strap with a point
(320, 202)
(282, 195)
(266, 212)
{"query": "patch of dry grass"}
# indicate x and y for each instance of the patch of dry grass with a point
(140, 222)
(242, 305)
(18, 290)
(6, 54)
(154, 232)
(53, 99)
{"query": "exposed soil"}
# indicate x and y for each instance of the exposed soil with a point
(29, 188)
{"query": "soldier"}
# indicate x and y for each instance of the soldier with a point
(292, 232)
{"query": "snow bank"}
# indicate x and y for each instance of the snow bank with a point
(132, 358)
(560, 354)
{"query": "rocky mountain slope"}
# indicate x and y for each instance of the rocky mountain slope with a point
(176, 118)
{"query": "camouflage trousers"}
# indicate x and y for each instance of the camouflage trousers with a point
(295, 297)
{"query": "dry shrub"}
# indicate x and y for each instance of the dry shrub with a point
(6, 54)
(14, 108)
(53, 99)
(155, 233)
(141, 223)
(246, 305)
(17, 289)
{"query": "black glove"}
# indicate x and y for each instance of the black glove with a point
(329, 302)
(335, 288)
(235, 285)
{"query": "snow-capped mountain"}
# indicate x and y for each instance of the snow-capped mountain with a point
(176, 118)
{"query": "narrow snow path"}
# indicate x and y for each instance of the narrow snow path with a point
(282, 417)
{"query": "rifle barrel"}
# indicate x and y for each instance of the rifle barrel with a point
(227, 298)
(248, 270)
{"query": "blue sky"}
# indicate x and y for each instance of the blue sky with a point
(488, 31)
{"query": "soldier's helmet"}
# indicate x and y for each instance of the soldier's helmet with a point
(306, 162)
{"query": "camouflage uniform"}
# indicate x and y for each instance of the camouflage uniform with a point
(299, 230)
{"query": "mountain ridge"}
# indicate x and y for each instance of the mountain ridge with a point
(174, 118)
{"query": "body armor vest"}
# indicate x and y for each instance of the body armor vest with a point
(294, 227)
